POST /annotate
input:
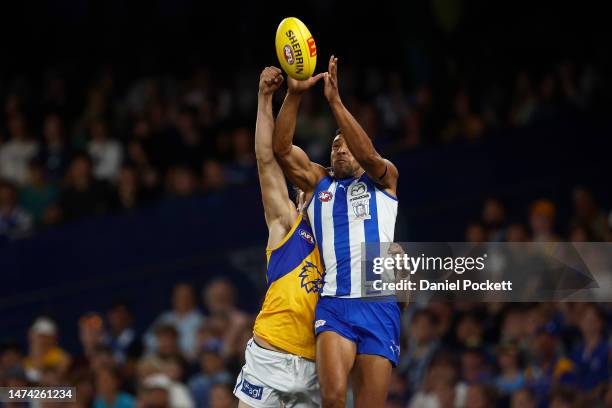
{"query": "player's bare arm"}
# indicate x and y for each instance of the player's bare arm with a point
(295, 162)
(378, 168)
(280, 212)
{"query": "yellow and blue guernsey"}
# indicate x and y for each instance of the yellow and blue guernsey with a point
(295, 279)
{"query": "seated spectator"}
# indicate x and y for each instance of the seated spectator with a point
(587, 213)
(108, 394)
(591, 355)
(562, 397)
(91, 335)
(213, 371)
(548, 367)
(44, 351)
(494, 219)
(82, 196)
(17, 152)
(55, 154)
(180, 182)
(213, 176)
(469, 331)
(120, 335)
(105, 152)
(14, 220)
(38, 197)
(177, 395)
(542, 221)
(184, 316)
(220, 299)
(511, 377)
(474, 367)
(128, 193)
(422, 345)
(167, 341)
(221, 396)
(441, 387)
(480, 396)
(523, 398)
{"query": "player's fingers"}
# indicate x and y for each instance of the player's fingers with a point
(317, 77)
(276, 70)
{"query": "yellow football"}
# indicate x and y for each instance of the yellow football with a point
(296, 49)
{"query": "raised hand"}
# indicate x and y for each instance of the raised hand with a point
(331, 81)
(298, 87)
(270, 80)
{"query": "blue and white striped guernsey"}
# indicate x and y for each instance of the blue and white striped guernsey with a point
(344, 213)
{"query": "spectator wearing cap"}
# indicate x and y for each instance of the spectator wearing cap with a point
(184, 316)
(213, 371)
(108, 394)
(44, 351)
(158, 388)
(549, 367)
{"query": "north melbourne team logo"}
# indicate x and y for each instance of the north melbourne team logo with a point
(312, 278)
(360, 200)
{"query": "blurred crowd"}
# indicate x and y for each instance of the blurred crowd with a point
(72, 150)
(454, 355)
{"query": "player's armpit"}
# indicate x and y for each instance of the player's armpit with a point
(298, 168)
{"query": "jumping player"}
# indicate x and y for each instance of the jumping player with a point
(355, 203)
(280, 368)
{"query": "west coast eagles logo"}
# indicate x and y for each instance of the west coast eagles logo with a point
(360, 200)
(312, 278)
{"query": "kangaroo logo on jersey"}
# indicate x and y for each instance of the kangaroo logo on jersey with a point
(325, 196)
(312, 278)
(358, 189)
(307, 236)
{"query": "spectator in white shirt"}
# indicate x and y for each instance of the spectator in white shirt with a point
(105, 152)
(17, 152)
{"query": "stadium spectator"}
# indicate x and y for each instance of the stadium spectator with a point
(105, 152)
(212, 371)
(591, 355)
(14, 221)
(180, 182)
(510, 377)
(494, 219)
(167, 341)
(44, 351)
(587, 214)
(220, 299)
(56, 152)
(549, 367)
(421, 347)
(91, 332)
(120, 335)
(128, 193)
(16, 153)
(563, 398)
(480, 396)
(523, 398)
(221, 396)
(474, 368)
(213, 176)
(38, 197)
(82, 196)
(184, 316)
(108, 394)
(542, 221)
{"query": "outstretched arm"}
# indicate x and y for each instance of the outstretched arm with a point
(279, 210)
(378, 168)
(295, 162)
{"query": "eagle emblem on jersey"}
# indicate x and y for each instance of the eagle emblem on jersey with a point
(312, 278)
(360, 200)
